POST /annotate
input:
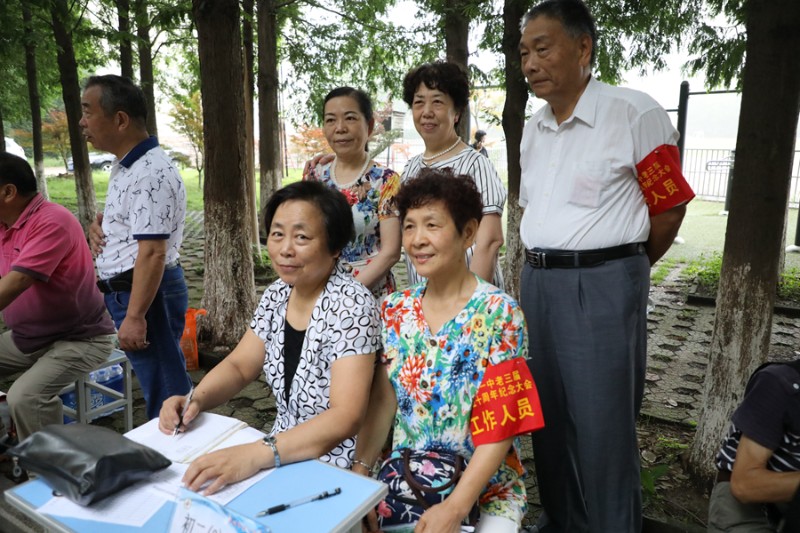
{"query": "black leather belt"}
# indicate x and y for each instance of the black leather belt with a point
(723, 475)
(544, 258)
(123, 282)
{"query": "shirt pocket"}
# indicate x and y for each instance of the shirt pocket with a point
(589, 180)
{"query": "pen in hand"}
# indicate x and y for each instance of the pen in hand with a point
(300, 501)
(183, 411)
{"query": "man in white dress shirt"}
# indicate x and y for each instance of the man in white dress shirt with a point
(603, 199)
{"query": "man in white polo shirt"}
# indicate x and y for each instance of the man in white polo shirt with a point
(603, 197)
(137, 238)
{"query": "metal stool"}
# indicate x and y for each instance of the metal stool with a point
(84, 412)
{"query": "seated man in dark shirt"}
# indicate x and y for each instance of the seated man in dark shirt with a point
(759, 461)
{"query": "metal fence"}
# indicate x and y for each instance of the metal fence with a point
(708, 172)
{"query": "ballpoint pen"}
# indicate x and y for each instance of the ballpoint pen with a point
(282, 507)
(183, 411)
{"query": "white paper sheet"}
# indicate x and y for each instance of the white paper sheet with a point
(168, 484)
(204, 433)
(133, 506)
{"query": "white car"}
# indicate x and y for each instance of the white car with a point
(13, 148)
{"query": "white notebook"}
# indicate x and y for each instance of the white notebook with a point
(204, 434)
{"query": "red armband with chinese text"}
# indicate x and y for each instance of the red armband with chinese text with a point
(661, 180)
(506, 405)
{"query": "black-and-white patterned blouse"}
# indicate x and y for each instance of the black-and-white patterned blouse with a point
(345, 321)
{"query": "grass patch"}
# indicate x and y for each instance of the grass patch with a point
(705, 272)
(703, 231)
(62, 188)
(789, 285)
(661, 271)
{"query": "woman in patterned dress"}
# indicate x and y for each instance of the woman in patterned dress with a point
(440, 337)
(369, 187)
(314, 335)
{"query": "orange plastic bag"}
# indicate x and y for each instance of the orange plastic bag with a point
(189, 338)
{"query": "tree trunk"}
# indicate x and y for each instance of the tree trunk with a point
(2, 131)
(146, 79)
(71, 92)
(456, 39)
(125, 45)
(270, 155)
(247, 39)
(513, 122)
(229, 288)
(759, 193)
(33, 98)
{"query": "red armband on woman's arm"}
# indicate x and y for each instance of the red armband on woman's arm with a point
(661, 180)
(506, 405)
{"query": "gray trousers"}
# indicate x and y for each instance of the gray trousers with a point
(33, 398)
(726, 514)
(588, 350)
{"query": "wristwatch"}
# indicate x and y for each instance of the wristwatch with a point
(271, 442)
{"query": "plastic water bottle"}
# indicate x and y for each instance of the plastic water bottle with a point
(5, 416)
(114, 371)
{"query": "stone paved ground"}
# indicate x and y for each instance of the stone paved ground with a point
(680, 334)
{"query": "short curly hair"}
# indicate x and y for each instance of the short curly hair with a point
(443, 76)
(458, 193)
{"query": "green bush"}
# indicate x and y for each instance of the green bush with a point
(705, 271)
(789, 285)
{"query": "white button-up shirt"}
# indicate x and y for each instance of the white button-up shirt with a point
(579, 185)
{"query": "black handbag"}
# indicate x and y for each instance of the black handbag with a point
(86, 463)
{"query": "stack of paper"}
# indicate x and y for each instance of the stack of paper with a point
(204, 434)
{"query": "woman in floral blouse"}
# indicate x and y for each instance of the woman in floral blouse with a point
(369, 187)
(440, 337)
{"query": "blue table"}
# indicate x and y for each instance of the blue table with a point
(290, 482)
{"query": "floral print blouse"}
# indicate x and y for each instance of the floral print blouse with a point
(436, 377)
(371, 198)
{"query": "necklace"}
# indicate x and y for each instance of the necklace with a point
(434, 156)
(358, 176)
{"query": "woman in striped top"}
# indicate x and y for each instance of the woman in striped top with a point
(438, 93)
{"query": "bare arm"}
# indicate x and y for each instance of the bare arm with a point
(446, 517)
(663, 229)
(12, 285)
(488, 241)
(242, 366)
(147, 273)
(97, 239)
(350, 381)
(388, 255)
(377, 422)
(751, 482)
